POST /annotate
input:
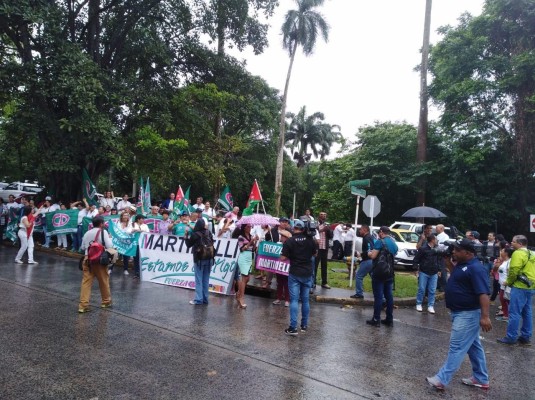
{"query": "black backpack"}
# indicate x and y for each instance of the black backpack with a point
(383, 265)
(205, 250)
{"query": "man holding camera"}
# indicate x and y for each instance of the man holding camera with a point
(299, 249)
(521, 279)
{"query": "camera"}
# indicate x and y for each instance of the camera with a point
(524, 279)
(310, 227)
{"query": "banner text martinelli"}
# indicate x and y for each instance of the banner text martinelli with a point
(165, 259)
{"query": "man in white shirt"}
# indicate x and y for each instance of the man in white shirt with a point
(122, 204)
(442, 237)
(208, 210)
(337, 242)
(169, 203)
(199, 204)
(107, 200)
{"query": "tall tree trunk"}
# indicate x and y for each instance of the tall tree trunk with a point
(423, 124)
(282, 141)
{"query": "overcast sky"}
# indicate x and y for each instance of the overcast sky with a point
(365, 73)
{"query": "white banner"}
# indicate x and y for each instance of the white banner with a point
(165, 259)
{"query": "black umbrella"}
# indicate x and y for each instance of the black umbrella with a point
(424, 212)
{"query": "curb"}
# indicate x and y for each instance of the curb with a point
(257, 290)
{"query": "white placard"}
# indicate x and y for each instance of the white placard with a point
(165, 259)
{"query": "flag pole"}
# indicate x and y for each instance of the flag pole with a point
(354, 244)
(293, 208)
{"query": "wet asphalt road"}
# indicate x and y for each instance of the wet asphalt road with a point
(154, 345)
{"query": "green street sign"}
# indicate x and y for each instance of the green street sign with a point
(362, 183)
(358, 192)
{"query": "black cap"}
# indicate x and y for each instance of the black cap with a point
(284, 219)
(384, 229)
(465, 244)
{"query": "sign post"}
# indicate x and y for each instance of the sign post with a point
(356, 190)
(532, 223)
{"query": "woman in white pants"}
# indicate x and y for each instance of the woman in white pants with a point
(25, 234)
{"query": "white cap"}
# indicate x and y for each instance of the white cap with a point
(48, 198)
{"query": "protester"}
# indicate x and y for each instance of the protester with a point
(92, 270)
(209, 211)
(165, 223)
(503, 270)
(247, 244)
(325, 234)
(125, 225)
(123, 204)
(467, 298)
(202, 267)
(25, 234)
(138, 226)
(226, 226)
(107, 200)
(199, 204)
(337, 242)
(283, 292)
(427, 265)
(62, 237)
(299, 250)
(521, 279)
(366, 264)
(442, 238)
(3, 219)
(382, 288)
(277, 234)
(169, 204)
(46, 208)
(179, 226)
(349, 239)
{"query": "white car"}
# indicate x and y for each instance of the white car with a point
(20, 188)
(451, 231)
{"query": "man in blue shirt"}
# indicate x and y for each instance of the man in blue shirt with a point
(383, 288)
(467, 297)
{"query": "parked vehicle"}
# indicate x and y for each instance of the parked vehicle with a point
(451, 231)
(18, 189)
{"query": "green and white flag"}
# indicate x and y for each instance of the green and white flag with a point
(226, 200)
(89, 190)
(140, 200)
(125, 243)
(146, 197)
(62, 221)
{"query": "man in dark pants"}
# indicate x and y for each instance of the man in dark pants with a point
(299, 249)
(383, 288)
(325, 234)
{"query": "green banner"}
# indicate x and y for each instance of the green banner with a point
(13, 224)
(61, 221)
(125, 243)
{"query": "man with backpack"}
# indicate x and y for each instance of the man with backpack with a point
(384, 250)
(202, 242)
(94, 243)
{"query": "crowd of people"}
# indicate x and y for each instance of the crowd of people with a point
(470, 272)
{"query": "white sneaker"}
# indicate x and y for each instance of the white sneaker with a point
(277, 302)
(126, 272)
(33, 262)
(18, 262)
(286, 304)
(109, 271)
(431, 310)
(419, 308)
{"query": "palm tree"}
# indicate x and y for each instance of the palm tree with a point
(310, 131)
(300, 28)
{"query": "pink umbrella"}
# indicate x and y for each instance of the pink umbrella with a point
(258, 219)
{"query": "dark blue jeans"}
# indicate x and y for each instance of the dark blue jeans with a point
(380, 290)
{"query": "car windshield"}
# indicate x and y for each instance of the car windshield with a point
(410, 237)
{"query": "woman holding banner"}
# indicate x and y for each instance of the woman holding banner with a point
(247, 244)
(202, 266)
